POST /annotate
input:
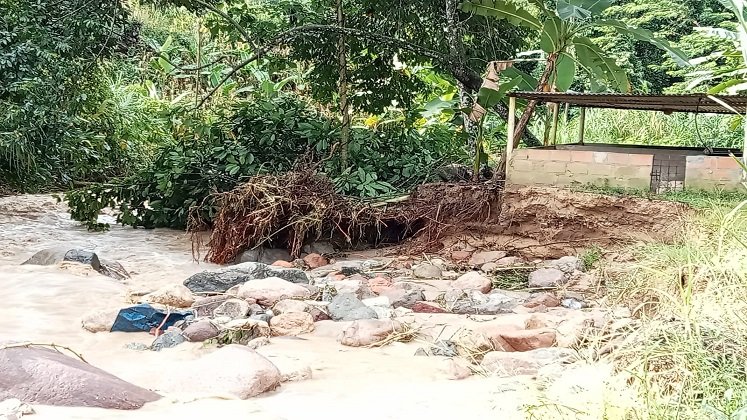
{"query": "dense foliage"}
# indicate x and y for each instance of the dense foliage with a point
(104, 94)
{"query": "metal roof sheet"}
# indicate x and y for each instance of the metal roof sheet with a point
(698, 103)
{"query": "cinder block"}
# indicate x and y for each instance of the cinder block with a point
(618, 158)
(553, 167)
(577, 168)
(520, 154)
(600, 169)
(522, 165)
(727, 163)
(561, 155)
(539, 154)
(641, 160)
(582, 156)
(600, 157)
(627, 171)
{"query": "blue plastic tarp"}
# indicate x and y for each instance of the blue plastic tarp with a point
(145, 317)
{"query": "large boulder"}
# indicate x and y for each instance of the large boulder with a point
(233, 370)
(347, 307)
(99, 320)
(233, 308)
(269, 291)
(219, 281)
(43, 376)
(200, 331)
(206, 305)
(53, 256)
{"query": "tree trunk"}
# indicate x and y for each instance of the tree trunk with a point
(528, 112)
(343, 88)
(457, 56)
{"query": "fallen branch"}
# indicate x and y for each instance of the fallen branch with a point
(55, 347)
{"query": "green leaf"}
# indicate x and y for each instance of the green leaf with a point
(501, 9)
(645, 35)
(564, 74)
(525, 81)
(581, 9)
(552, 32)
(599, 65)
(719, 33)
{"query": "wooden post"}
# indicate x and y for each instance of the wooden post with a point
(581, 126)
(555, 120)
(511, 132)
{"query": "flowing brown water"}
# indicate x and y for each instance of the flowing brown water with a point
(44, 304)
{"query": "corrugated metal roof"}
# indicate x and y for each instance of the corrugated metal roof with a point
(701, 103)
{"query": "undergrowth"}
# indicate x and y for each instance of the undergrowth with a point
(699, 199)
(689, 358)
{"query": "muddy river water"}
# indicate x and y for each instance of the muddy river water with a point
(44, 304)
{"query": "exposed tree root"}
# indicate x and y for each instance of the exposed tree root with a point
(299, 207)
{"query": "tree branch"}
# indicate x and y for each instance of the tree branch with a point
(461, 72)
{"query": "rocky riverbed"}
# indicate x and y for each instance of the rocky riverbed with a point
(372, 336)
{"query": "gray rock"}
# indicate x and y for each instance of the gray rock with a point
(321, 248)
(567, 265)
(137, 346)
(404, 294)
(232, 308)
(167, 340)
(265, 317)
(205, 306)
(218, 281)
(444, 348)
(47, 377)
(264, 255)
(201, 331)
(347, 307)
(477, 303)
(572, 303)
(52, 256)
(546, 278)
(426, 271)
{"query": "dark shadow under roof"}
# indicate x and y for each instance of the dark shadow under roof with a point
(698, 103)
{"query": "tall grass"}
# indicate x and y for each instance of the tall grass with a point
(650, 128)
(689, 358)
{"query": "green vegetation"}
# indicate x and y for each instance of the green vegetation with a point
(688, 357)
(695, 198)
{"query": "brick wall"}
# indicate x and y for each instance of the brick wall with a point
(711, 172)
(566, 167)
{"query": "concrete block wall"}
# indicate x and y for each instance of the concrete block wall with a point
(713, 172)
(566, 167)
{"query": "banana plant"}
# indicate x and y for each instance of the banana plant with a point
(732, 77)
(562, 32)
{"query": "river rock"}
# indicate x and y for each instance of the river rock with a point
(490, 267)
(473, 281)
(264, 255)
(14, 409)
(175, 295)
(426, 271)
(234, 370)
(403, 294)
(200, 331)
(232, 308)
(567, 265)
(219, 281)
(525, 340)
(366, 332)
(292, 323)
(480, 258)
(269, 291)
(47, 377)
(543, 299)
(509, 261)
(507, 364)
(347, 307)
(477, 303)
(456, 369)
(354, 286)
(427, 308)
(52, 256)
(315, 261)
(291, 305)
(322, 248)
(167, 340)
(547, 278)
(100, 320)
(206, 305)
